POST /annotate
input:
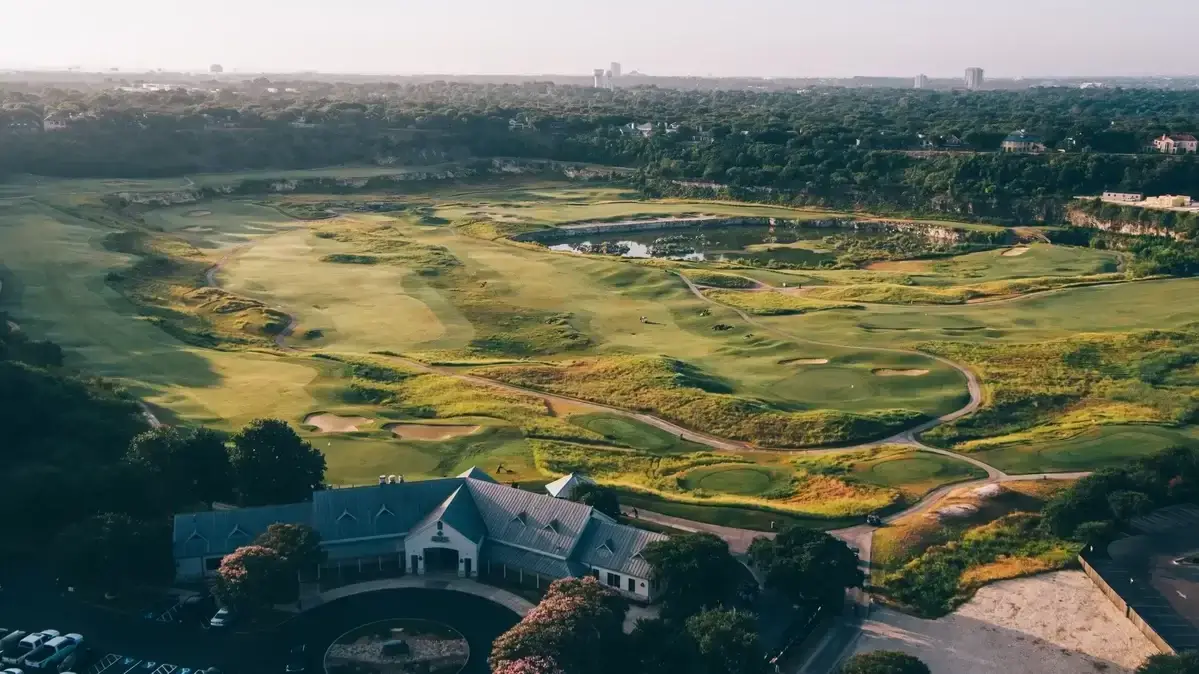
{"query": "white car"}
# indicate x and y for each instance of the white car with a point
(28, 645)
(11, 670)
(53, 651)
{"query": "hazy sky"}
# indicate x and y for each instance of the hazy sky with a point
(696, 37)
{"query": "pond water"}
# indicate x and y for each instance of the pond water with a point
(792, 245)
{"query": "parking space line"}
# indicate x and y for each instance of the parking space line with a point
(165, 669)
(104, 664)
(128, 665)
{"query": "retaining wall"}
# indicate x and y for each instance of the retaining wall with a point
(1128, 611)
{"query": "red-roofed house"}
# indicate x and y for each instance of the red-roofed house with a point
(1173, 143)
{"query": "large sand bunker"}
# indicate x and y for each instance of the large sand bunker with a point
(198, 213)
(1013, 252)
(899, 373)
(804, 361)
(332, 423)
(430, 431)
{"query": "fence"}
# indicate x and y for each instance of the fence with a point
(1098, 567)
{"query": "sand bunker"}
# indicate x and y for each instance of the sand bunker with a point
(430, 431)
(955, 511)
(198, 214)
(332, 423)
(1013, 252)
(197, 229)
(900, 373)
(804, 361)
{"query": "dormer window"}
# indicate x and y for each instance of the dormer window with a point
(523, 518)
(638, 556)
(608, 546)
(346, 514)
(554, 526)
(384, 510)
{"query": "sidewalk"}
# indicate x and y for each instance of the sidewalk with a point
(500, 596)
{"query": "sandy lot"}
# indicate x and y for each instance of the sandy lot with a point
(1013, 252)
(900, 373)
(331, 423)
(1057, 623)
(430, 431)
(804, 361)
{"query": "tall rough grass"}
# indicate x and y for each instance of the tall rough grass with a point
(678, 392)
(774, 303)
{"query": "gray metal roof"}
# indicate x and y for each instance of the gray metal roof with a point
(498, 553)
(219, 532)
(564, 486)
(459, 513)
(529, 520)
(476, 474)
(616, 547)
(377, 510)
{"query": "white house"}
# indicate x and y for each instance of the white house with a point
(466, 525)
(1022, 141)
(1175, 143)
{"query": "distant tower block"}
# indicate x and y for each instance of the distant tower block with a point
(608, 80)
(921, 82)
(615, 68)
(974, 78)
(599, 78)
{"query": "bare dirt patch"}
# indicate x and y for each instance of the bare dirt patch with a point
(1058, 622)
(430, 431)
(804, 361)
(198, 213)
(564, 408)
(1013, 252)
(885, 372)
(332, 423)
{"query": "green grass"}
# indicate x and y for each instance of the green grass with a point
(622, 430)
(730, 516)
(911, 472)
(718, 279)
(738, 480)
(771, 303)
(1092, 449)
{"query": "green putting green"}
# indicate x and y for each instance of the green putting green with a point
(736, 479)
(1093, 449)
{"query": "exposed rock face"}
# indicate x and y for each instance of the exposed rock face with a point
(1081, 219)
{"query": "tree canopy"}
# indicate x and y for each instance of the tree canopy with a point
(807, 565)
(601, 498)
(884, 662)
(273, 464)
(694, 571)
(253, 577)
(187, 466)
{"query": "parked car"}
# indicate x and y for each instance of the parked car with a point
(8, 643)
(77, 660)
(11, 670)
(297, 660)
(54, 651)
(874, 520)
(223, 618)
(28, 645)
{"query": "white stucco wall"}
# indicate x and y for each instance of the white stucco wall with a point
(427, 537)
(641, 585)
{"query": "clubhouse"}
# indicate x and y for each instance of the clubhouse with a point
(466, 525)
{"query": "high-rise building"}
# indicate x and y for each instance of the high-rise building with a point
(921, 82)
(615, 68)
(974, 79)
(599, 78)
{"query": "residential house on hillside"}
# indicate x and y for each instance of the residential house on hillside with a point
(1175, 143)
(466, 525)
(1022, 141)
(55, 121)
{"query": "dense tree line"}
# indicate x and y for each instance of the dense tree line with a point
(889, 150)
(91, 480)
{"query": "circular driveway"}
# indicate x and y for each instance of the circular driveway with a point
(476, 618)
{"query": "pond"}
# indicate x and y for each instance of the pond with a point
(760, 244)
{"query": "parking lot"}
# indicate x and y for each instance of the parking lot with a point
(114, 663)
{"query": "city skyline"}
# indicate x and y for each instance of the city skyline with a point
(802, 38)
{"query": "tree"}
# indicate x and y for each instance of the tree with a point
(299, 545)
(188, 466)
(271, 464)
(806, 565)
(726, 642)
(253, 577)
(661, 647)
(1183, 663)
(111, 551)
(884, 662)
(694, 571)
(1126, 505)
(578, 628)
(601, 498)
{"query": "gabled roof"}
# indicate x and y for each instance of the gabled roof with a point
(220, 532)
(1181, 137)
(498, 553)
(519, 518)
(1022, 136)
(459, 513)
(475, 474)
(564, 486)
(377, 510)
(616, 547)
